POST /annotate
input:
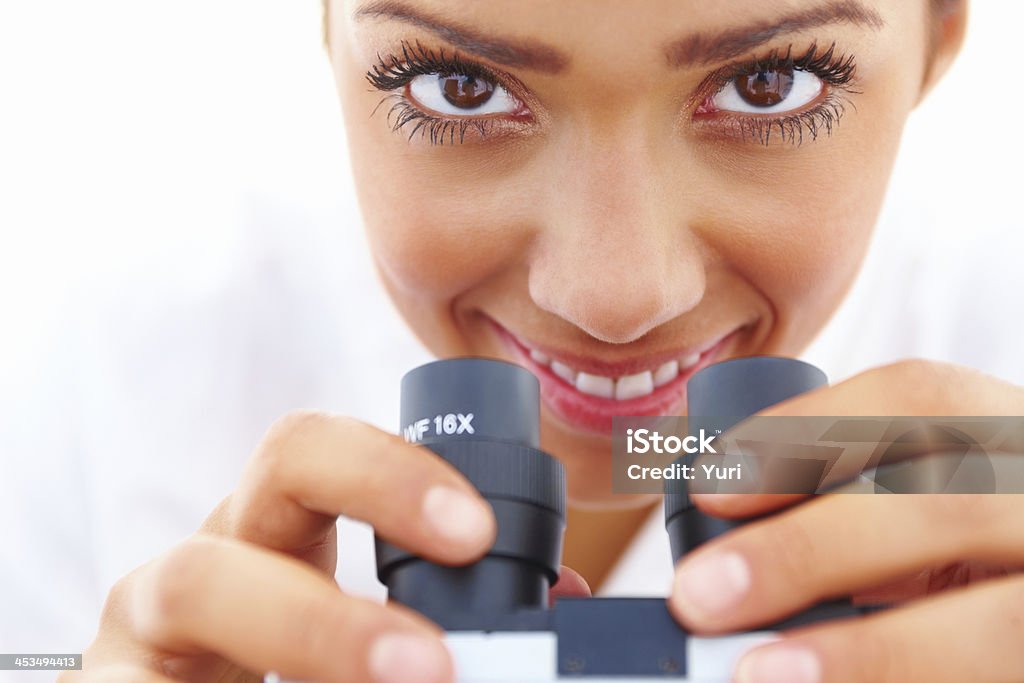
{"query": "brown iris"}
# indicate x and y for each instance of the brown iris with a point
(466, 92)
(765, 88)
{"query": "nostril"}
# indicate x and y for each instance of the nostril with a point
(616, 326)
(619, 318)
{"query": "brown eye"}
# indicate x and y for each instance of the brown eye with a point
(768, 91)
(461, 95)
(466, 92)
(765, 88)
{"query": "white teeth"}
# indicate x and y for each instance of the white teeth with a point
(595, 385)
(666, 373)
(564, 371)
(622, 388)
(632, 386)
(689, 361)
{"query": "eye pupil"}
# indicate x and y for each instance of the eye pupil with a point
(466, 92)
(765, 88)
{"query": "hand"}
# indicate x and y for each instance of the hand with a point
(254, 591)
(877, 548)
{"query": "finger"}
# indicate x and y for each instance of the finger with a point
(966, 635)
(571, 584)
(744, 505)
(834, 545)
(266, 611)
(313, 467)
(119, 673)
(906, 388)
(931, 580)
(910, 388)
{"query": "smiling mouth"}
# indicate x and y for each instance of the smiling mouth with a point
(587, 393)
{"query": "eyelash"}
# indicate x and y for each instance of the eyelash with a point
(416, 60)
(837, 72)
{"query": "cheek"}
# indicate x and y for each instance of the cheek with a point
(803, 259)
(799, 220)
(435, 244)
(437, 225)
(799, 227)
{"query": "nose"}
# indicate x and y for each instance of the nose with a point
(615, 254)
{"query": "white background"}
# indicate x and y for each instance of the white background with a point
(159, 156)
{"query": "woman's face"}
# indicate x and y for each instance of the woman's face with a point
(616, 194)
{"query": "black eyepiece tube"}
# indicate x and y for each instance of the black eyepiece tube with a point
(718, 397)
(483, 417)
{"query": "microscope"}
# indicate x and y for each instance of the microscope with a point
(483, 417)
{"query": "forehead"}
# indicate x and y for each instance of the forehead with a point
(615, 16)
(552, 35)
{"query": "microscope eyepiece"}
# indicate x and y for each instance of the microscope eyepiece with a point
(471, 398)
(718, 397)
(483, 417)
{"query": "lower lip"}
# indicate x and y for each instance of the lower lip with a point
(593, 413)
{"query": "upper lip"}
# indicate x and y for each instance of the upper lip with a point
(619, 368)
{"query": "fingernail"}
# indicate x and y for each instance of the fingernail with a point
(457, 516)
(775, 663)
(711, 584)
(405, 658)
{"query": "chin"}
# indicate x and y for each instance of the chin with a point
(588, 466)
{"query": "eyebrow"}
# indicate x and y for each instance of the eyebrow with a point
(523, 54)
(693, 50)
(703, 49)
